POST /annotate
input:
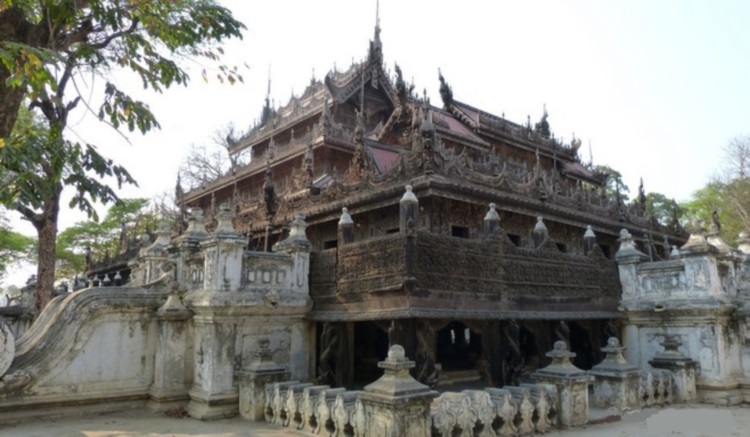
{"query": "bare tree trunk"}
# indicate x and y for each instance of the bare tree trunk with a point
(46, 228)
(45, 282)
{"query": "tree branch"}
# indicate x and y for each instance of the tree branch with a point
(35, 218)
(104, 43)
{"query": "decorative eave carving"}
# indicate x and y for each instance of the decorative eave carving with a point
(309, 104)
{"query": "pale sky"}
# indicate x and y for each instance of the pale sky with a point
(656, 87)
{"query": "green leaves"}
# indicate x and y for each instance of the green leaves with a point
(28, 67)
(14, 247)
(118, 108)
(44, 46)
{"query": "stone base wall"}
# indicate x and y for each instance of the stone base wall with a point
(93, 347)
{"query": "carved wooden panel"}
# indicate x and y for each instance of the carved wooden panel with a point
(374, 264)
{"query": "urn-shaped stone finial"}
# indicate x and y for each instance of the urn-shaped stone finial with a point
(408, 211)
(540, 233)
(491, 221)
(224, 220)
(628, 252)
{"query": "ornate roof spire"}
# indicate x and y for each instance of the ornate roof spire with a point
(377, 18)
(543, 126)
(267, 112)
(376, 46)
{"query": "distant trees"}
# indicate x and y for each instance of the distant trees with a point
(661, 208)
(14, 247)
(124, 220)
(206, 163)
(727, 193)
(614, 185)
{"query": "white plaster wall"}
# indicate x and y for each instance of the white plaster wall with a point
(118, 353)
(95, 346)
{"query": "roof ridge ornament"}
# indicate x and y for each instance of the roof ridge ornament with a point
(446, 92)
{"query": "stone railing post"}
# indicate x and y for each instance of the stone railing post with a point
(396, 404)
(298, 246)
(223, 250)
(571, 384)
(214, 394)
(253, 381)
(169, 388)
(682, 368)
(186, 252)
(147, 267)
(616, 382)
(628, 257)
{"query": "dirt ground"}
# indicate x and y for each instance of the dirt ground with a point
(685, 421)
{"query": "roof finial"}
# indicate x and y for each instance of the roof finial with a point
(377, 17)
(267, 112)
(268, 92)
(375, 55)
(362, 93)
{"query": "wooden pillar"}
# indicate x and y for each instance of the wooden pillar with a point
(491, 345)
(426, 355)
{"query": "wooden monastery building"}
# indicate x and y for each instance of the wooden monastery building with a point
(502, 243)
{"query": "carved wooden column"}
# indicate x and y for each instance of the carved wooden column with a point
(491, 345)
(512, 356)
(330, 339)
(426, 352)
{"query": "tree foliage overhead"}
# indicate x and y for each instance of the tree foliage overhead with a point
(45, 47)
(44, 44)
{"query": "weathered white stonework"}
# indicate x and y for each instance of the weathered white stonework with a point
(571, 384)
(268, 288)
(616, 382)
(693, 298)
(397, 404)
(7, 347)
(95, 346)
(185, 332)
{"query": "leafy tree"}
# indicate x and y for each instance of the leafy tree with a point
(37, 165)
(44, 46)
(14, 247)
